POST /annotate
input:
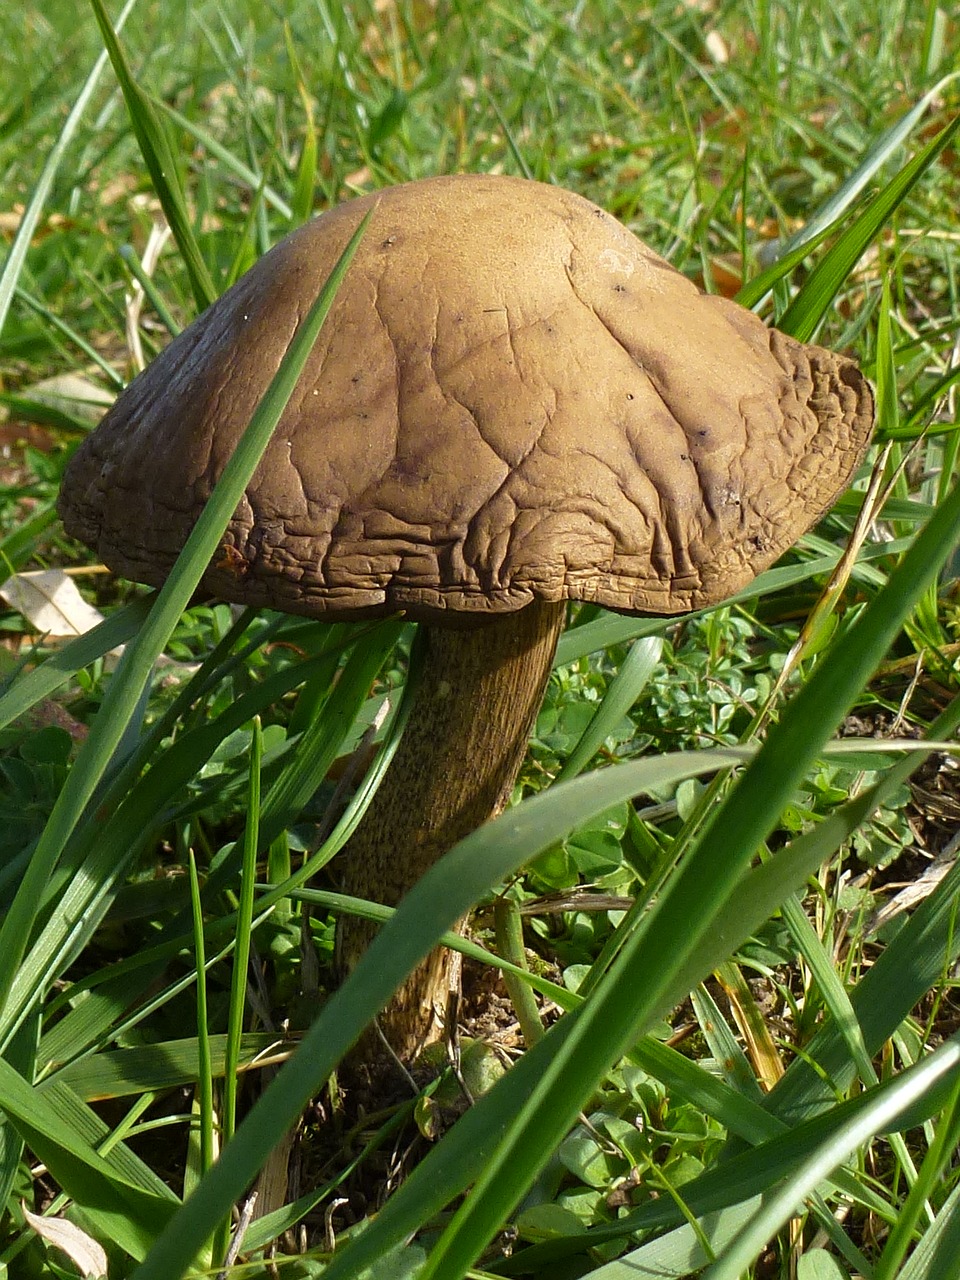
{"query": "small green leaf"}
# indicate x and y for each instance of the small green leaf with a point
(546, 1222)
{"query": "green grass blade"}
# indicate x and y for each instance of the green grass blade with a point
(808, 308)
(889, 142)
(935, 1255)
(508, 932)
(131, 1215)
(837, 1002)
(755, 290)
(908, 967)
(936, 1164)
(685, 1250)
(376, 911)
(226, 157)
(625, 688)
(55, 322)
(15, 259)
(737, 1112)
(18, 545)
(241, 955)
(879, 1115)
(205, 1074)
(103, 850)
(45, 415)
(723, 1044)
(306, 180)
(77, 1118)
(830, 985)
(317, 748)
(162, 164)
(128, 257)
(888, 405)
(241, 963)
(133, 672)
(21, 1056)
(122, 1073)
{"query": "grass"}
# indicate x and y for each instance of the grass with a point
(742, 1071)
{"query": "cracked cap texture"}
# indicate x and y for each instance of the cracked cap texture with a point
(512, 398)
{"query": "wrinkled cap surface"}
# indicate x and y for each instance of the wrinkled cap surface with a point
(512, 398)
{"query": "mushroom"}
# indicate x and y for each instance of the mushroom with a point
(513, 403)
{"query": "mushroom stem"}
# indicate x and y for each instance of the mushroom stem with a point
(455, 767)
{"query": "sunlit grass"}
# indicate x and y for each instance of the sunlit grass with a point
(794, 153)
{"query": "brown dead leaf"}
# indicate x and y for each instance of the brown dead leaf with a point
(49, 601)
(82, 1250)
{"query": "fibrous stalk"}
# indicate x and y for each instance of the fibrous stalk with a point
(455, 767)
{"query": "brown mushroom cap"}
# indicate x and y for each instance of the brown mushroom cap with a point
(512, 398)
